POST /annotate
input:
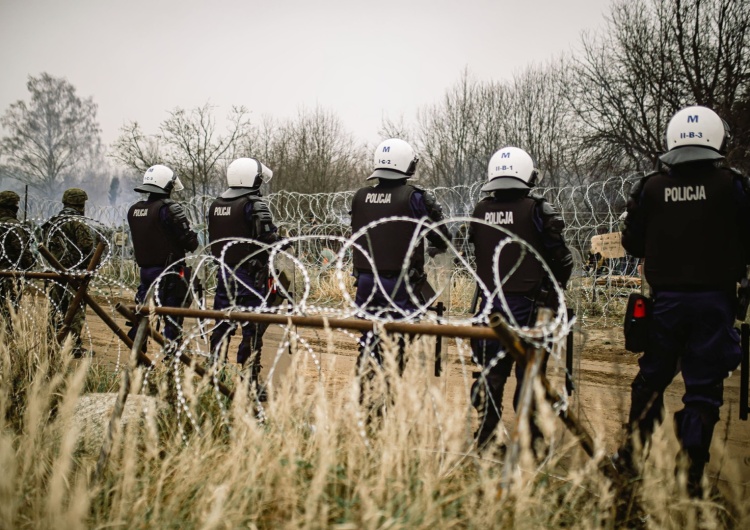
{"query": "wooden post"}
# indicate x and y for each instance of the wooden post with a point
(513, 345)
(82, 286)
(73, 279)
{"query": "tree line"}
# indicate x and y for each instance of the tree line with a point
(585, 116)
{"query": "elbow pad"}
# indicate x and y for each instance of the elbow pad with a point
(181, 226)
(553, 222)
(434, 210)
(262, 223)
(561, 265)
(435, 213)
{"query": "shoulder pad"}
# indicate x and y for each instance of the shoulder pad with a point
(261, 211)
(176, 210)
(736, 171)
(637, 187)
(547, 209)
(418, 188)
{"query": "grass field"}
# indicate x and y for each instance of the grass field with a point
(311, 457)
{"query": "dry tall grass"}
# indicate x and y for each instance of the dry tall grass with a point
(314, 462)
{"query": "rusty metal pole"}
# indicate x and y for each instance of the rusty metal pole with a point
(93, 304)
(82, 286)
(442, 330)
(40, 275)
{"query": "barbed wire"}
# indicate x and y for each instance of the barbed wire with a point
(318, 225)
(316, 259)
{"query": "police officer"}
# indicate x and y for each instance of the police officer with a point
(690, 223)
(512, 206)
(240, 212)
(71, 241)
(161, 236)
(15, 253)
(387, 244)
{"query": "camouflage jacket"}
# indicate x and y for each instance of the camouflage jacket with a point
(69, 239)
(15, 252)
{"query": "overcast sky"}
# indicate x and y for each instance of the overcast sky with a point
(361, 59)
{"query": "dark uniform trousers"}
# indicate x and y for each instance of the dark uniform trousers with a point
(487, 391)
(692, 332)
(372, 298)
(235, 289)
(172, 293)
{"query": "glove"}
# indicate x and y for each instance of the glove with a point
(434, 251)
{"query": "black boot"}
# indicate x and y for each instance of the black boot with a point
(487, 399)
(251, 368)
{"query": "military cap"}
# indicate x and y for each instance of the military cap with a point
(9, 198)
(74, 196)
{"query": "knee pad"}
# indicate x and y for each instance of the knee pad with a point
(487, 391)
(694, 426)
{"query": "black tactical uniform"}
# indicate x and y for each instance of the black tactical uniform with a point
(536, 222)
(691, 224)
(387, 245)
(243, 277)
(161, 236)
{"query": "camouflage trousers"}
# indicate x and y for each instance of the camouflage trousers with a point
(11, 291)
(60, 297)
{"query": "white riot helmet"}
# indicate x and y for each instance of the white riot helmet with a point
(245, 175)
(159, 179)
(511, 168)
(695, 133)
(394, 159)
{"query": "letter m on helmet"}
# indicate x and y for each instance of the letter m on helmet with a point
(693, 119)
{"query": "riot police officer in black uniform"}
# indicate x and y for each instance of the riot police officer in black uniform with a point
(387, 244)
(161, 236)
(512, 206)
(690, 221)
(241, 215)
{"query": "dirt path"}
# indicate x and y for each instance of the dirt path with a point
(604, 371)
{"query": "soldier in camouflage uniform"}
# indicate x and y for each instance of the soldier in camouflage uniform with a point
(70, 240)
(15, 253)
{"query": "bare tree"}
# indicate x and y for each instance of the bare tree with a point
(310, 154)
(136, 150)
(195, 148)
(189, 143)
(540, 120)
(51, 136)
(457, 136)
(657, 57)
